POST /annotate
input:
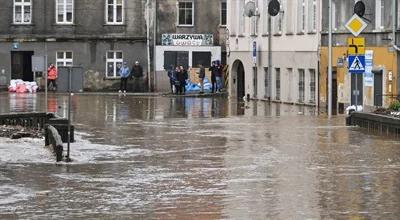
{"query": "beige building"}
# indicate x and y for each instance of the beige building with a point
(295, 56)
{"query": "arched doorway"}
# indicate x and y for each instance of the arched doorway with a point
(238, 79)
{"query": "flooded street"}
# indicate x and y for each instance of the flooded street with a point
(198, 158)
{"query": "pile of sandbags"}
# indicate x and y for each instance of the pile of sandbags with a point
(20, 86)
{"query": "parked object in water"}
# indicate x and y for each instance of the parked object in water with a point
(20, 86)
(352, 108)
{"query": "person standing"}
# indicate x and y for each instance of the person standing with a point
(124, 74)
(185, 77)
(202, 75)
(171, 77)
(214, 73)
(218, 77)
(137, 73)
(52, 75)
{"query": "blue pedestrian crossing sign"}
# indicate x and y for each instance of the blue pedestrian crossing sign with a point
(356, 64)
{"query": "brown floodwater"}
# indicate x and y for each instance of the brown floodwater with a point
(198, 158)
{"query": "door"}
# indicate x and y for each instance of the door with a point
(21, 65)
(357, 92)
(378, 90)
(334, 92)
(240, 81)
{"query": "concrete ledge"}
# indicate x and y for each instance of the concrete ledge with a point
(381, 124)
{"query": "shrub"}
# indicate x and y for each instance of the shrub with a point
(395, 106)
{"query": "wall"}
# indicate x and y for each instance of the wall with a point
(382, 59)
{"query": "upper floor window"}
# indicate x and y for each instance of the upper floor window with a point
(64, 11)
(301, 16)
(22, 11)
(114, 12)
(114, 63)
(64, 58)
(185, 13)
(223, 13)
(312, 16)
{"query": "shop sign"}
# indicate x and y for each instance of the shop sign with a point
(187, 39)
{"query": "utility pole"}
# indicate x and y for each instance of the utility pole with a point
(330, 61)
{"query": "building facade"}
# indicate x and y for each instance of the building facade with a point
(379, 84)
(188, 33)
(98, 35)
(294, 50)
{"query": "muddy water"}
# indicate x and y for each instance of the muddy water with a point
(192, 158)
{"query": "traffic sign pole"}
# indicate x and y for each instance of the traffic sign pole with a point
(330, 61)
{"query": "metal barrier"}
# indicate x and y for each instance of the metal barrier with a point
(32, 120)
(381, 124)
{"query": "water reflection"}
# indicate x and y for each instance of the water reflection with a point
(203, 158)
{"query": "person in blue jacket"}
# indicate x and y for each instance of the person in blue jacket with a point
(124, 74)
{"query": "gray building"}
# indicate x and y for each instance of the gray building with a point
(98, 35)
(188, 33)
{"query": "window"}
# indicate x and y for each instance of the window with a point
(312, 85)
(114, 63)
(223, 13)
(203, 58)
(22, 11)
(266, 83)
(64, 11)
(278, 20)
(289, 17)
(185, 13)
(334, 20)
(241, 17)
(114, 12)
(278, 83)
(301, 85)
(64, 58)
(265, 17)
(312, 18)
(301, 16)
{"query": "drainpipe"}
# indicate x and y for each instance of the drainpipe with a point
(148, 42)
(154, 41)
(394, 24)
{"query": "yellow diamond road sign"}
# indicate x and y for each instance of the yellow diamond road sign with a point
(356, 25)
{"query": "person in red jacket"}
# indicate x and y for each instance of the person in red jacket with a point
(52, 75)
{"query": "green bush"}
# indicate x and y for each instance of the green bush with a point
(395, 106)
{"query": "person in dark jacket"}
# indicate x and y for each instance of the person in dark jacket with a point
(214, 73)
(179, 80)
(185, 77)
(137, 74)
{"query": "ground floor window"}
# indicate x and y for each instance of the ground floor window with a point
(176, 58)
(312, 85)
(278, 83)
(114, 63)
(64, 58)
(301, 85)
(203, 58)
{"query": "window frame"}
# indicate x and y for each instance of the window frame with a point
(115, 61)
(64, 60)
(22, 4)
(178, 13)
(65, 3)
(221, 13)
(115, 17)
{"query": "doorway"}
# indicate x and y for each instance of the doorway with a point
(238, 80)
(359, 91)
(378, 90)
(334, 92)
(21, 65)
